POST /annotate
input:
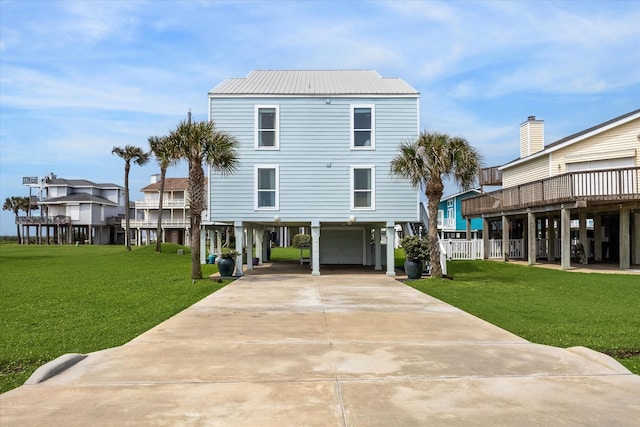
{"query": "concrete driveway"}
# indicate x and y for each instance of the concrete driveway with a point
(279, 348)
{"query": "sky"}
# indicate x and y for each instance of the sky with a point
(80, 77)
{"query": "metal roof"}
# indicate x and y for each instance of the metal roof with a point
(313, 83)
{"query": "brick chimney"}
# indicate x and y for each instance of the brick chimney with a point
(531, 136)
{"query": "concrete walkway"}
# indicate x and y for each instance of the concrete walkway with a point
(335, 350)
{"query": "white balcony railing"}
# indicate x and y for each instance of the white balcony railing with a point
(446, 223)
(166, 204)
(166, 223)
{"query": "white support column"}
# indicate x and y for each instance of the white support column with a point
(583, 237)
(203, 245)
(625, 239)
(212, 235)
(219, 242)
(239, 235)
(635, 249)
(391, 236)
(565, 238)
(551, 239)
(250, 248)
(486, 230)
(259, 243)
(531, 238)
(597, 237)
(377, 236)
(315, 248)
(505, 238)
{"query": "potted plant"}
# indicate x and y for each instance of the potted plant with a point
(227, 263)
(417, 253)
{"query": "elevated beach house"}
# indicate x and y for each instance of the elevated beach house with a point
(590, 179)
(175, 212)
(314, 151)
(76, 210)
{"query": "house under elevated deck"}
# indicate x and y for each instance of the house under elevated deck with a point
(590, 180)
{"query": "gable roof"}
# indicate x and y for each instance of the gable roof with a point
(576, 137)
(77, 183)
(313, 83)
(171, 184)
(78, 198)
(461, 193)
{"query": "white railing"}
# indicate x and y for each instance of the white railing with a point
(516, 248)
(446, 223)
(168, 223)
(166, 204)
(464, 249)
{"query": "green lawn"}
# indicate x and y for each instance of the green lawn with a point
(564, 309)
(67, 299)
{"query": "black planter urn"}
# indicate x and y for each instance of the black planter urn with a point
(226, 266)
(413, 269)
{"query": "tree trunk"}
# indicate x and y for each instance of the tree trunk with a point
(196, 205)
(127, 233)
(163, 173)
(434, 194)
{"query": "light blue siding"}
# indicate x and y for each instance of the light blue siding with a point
(314, 159)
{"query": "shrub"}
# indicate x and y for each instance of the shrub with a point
(415, 248)
(301, 241)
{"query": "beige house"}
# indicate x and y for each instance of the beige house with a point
(576, 199)
(175, 212)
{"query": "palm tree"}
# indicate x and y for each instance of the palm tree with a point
(129, 153)
(15, 205)
(198, 142)
(166, 155)
(427, 161)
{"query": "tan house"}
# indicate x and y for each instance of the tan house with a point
(175, 212)
(576, 199)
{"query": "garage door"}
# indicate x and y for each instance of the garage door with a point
(341, 246)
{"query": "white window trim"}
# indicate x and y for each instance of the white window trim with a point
(256, 132)
(373, 187)
(373, 126)
(255, 187)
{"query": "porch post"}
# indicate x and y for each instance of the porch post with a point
(582, 236)
(551, 239)
(505, 238)
(635, 247)
(597, 237)
(219, 241)
(565, 238)
(531, 237)
(239, 235)
(315, 248)
(259, 239)
(468, 232)
(377, 235)
(391, 240)
(486, 229)
(625, 253)
(203, 245)
(249, 248)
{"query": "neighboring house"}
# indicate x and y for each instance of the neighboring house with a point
(314, 152)
(175, 212)
(592, 177)
(77, 210)
(451, 224)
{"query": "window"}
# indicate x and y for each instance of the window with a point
(266, 121)
(362, 187)
(266, 186)
(362, 127)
